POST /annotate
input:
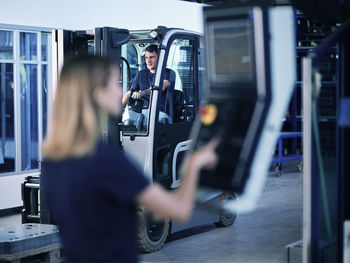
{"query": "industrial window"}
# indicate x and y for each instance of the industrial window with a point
(7, 134)
(181, 61)
(24, 78)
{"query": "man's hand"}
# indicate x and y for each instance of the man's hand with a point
(166, 84)
(136, 95)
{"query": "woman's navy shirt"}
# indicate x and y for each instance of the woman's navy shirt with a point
(92, 199)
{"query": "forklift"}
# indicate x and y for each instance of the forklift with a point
(157, 145)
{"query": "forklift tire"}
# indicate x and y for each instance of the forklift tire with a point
(152, 234)
(227, 218)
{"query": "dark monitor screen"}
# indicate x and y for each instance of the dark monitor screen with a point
(234, 42)
(231, 50)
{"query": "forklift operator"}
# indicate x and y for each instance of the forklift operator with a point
(138, 95)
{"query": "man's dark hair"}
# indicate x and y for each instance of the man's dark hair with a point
(152, 48)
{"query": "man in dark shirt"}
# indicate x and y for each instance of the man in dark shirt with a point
(140, 89)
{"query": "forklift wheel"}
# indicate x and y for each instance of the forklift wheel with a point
(151, 234)
(227, 218)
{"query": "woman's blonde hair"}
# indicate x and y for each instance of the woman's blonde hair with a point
(75, 123)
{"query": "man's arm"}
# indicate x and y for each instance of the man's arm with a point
(134, 87)
(125, 99)
(169, 78)
(166, 84)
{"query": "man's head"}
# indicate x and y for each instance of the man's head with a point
(151, 57)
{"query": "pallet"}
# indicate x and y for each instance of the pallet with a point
(25, 241)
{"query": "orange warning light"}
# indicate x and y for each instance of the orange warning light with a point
(208, 114)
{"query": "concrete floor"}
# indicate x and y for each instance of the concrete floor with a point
(260, 236)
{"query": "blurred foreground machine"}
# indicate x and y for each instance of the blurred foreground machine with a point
(250, 61)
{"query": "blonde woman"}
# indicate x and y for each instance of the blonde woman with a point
(92, 188)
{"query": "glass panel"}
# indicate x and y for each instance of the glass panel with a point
(44, 97)
(6, 44)
(324, 170)
(132, 59)
(180, 61)
(129, 65)
(28, 46)
(7, 142)
(44, 46)
(29, 116)
(135, 114)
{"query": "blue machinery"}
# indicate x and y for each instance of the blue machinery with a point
(326, 233)
(281, 157)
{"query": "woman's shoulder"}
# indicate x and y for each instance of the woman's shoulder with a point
(106, 149)
(111, 154)
(102, 151)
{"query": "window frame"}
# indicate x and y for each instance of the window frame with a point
(195, 48)
(16, 62)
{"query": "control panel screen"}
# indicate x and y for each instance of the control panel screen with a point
(231, 50)
(233, 110)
